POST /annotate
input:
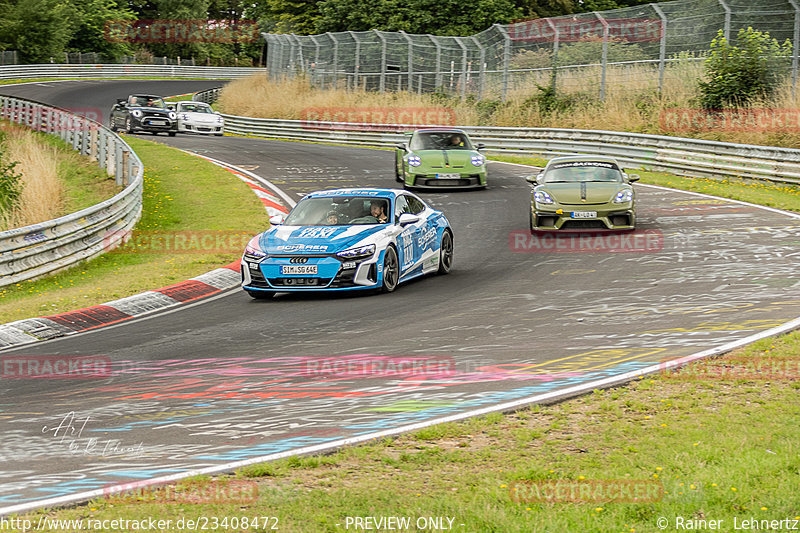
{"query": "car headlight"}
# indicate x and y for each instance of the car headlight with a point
(136, 113)
(623, 196)
(478, 160)
(543, 197)
(357, 254)
(172, 115)
(220, 119)
(253, 251)
(414, 160)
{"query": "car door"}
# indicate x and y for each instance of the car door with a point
(408, 249)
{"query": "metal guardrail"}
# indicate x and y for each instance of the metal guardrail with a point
(679, 155)
(47, 247)
(14, 72)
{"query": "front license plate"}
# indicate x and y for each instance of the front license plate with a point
(448, 176)
(584, 214)
(158, 122)
(298, 269)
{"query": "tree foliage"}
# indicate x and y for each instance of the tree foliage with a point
(738, 73)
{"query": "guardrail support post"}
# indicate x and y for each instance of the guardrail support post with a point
(126, 155)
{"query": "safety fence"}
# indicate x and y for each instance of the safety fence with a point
(47, 247)
(644, 47)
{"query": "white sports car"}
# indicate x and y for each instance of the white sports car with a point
(198, 117)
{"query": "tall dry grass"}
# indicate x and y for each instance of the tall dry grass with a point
(632, 102)
(42, 196)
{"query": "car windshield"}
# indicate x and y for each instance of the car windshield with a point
(440, 140)
(148, 101)
(194, 107)
(338, 211)
(581, 171)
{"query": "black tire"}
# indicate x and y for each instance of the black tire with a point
(446, 253)
(397, 176)
(172, 133)
(113, 125)
(260, 295)
(128, 125)
(218, 134)
(391, 270)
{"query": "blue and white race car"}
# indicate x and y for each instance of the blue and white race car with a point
(348, 239)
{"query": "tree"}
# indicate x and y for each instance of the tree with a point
(90, 32)
(37, 29)
(438, 17)
(737, 73)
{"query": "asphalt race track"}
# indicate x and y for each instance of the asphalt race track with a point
(232, 379)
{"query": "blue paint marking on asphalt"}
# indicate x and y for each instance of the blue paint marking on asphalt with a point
(268, 448)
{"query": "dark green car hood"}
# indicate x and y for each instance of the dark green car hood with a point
(583, 193)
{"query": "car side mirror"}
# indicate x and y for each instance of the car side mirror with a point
(121, 101)
(480, 146)
(276, 220)
(401, 146)
(217, 113)
(407, 218)
(171, 107)
(533, 178)
(633, 177)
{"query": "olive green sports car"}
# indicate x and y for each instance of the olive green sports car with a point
(440, 157)
(582, 192)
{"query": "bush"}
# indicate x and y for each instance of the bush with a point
(751, 68)
(10, 187)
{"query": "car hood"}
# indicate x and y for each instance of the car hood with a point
(316, 239)
(446, 158)
(149, 110)
(574, 193)
(202, 117)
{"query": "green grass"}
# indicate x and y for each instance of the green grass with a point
(182, 193)
(720, 448)
(755, 191)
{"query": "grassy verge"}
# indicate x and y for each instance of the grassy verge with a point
(56, 179)
(182, 194)
(764, 193)
(716, 441)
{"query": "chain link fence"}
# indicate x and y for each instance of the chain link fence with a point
(648, 47)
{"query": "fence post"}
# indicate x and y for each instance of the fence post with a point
(727, 19)
(795, 44)
(410, 60)
(315, 64)
(120, 177)
(126, 156)
(481, 66)
(662, 51)
(506, 58)
(382, 82)
(463, 68)
(556, 39)
(437, 77)
(335, 42)
(604, 57)
(356, 64)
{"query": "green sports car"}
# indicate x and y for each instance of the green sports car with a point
(582, 192)
(440, 157)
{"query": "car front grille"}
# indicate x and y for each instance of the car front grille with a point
(299, 282)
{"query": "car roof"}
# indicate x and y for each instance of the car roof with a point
(360, 191)
(439, 130)
(583, 157)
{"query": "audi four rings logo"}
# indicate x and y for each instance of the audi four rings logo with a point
(298, 260)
